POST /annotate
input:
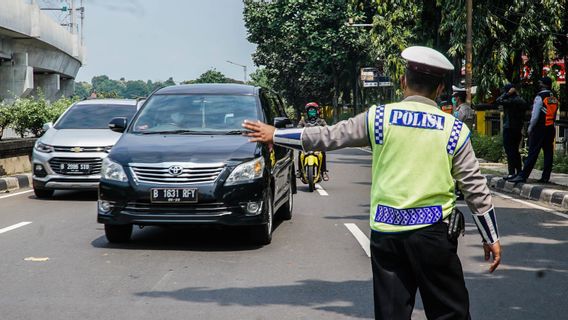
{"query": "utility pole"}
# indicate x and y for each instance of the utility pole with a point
(468, 52)
(242, 66)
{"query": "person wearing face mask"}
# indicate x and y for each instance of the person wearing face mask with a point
(418, 152)
(462, 109)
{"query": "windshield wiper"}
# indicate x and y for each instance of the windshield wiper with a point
(235, 132)
(172, 132)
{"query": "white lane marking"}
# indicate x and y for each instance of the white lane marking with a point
(321, 190)
(366, 150)
(16, 194)
(16, 226)
(563, 215)
(360, 236)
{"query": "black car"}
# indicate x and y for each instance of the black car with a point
(183, 160)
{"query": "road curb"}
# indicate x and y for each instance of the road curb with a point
(546, 195)
(15, 182)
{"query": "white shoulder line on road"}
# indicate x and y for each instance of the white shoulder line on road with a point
(321, 190)
(563, 215)
(360, 236)
(16, 226)
(16, 194)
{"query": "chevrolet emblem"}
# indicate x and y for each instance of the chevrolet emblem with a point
(77, 149)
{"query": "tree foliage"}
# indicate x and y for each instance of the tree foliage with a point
(502, 32)
(306, 48)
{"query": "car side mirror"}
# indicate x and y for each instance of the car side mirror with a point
(118, 124)
(283, 122)
(47, 126)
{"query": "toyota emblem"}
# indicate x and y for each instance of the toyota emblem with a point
(175, 170)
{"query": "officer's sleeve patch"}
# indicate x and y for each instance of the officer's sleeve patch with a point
(289, 138)
(458, 137)
(379, 124)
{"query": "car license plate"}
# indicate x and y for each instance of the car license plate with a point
(75, 167)
(173, 195)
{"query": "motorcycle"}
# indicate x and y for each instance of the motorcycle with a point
(310, 168)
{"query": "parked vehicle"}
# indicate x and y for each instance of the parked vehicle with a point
(70, 153)
(183, 160)
(310, 171)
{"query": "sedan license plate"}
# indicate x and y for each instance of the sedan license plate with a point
(75, 167)
(173, 195)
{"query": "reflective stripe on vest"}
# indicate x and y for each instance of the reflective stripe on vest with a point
(413, 147)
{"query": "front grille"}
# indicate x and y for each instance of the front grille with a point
(140, 207)
(191, 173)
(94, 164)
(79, 149)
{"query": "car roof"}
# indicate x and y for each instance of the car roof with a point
(126, 102)
(210, 88)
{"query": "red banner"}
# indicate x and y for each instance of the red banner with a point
(556, 69)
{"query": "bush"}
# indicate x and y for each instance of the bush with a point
(6, 117)
(29, 115)
(559, 164)
(489, 148)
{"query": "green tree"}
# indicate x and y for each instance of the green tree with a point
(306, 47)
(83, 89)
(503, 32)
(209, 76)
(135, 89)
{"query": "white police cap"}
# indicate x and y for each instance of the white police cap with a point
(427, 60)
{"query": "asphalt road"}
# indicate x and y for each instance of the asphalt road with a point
(315, 268)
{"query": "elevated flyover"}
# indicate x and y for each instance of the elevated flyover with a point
(36, 53)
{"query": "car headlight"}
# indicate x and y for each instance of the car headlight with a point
(113, 171)
(246, 172)
(42, 147)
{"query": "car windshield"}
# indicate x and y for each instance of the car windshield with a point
(94, 116)
(211, 114)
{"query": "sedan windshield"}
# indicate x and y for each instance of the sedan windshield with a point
(93, 116)
(195, 114)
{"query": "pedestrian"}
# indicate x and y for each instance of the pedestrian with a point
(462, 109)
(541, 132)
(514, 108)
(417, 152)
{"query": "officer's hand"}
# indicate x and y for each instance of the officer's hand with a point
(261, 132)
(496, 250)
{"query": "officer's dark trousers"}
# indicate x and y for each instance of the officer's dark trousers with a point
(425, 260)
(540, 138)
(511, 142)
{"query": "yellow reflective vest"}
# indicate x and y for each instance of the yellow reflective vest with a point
(413, 146)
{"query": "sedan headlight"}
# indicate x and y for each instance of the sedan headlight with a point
(42, 147)
(113, 171)
(246, 172)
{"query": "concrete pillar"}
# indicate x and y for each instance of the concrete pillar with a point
(67, 88)
(48, 84)
(16, 77)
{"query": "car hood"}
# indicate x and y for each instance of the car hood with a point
(140, 148)
(80, 137)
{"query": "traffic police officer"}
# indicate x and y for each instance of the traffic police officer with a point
(418, 151)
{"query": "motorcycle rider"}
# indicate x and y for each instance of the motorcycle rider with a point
(314, 120)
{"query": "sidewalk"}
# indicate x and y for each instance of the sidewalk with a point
(554, 193)
(16, 182)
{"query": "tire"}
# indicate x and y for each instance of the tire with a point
(118, 233)
(262, 234)
(43, 193)
(311, 183)
(285, 211)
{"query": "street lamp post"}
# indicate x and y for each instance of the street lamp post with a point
(240, 65)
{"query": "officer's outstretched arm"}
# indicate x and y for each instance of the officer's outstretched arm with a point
(465, 169)
(349, 133)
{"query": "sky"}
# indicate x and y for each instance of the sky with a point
(158, 39)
